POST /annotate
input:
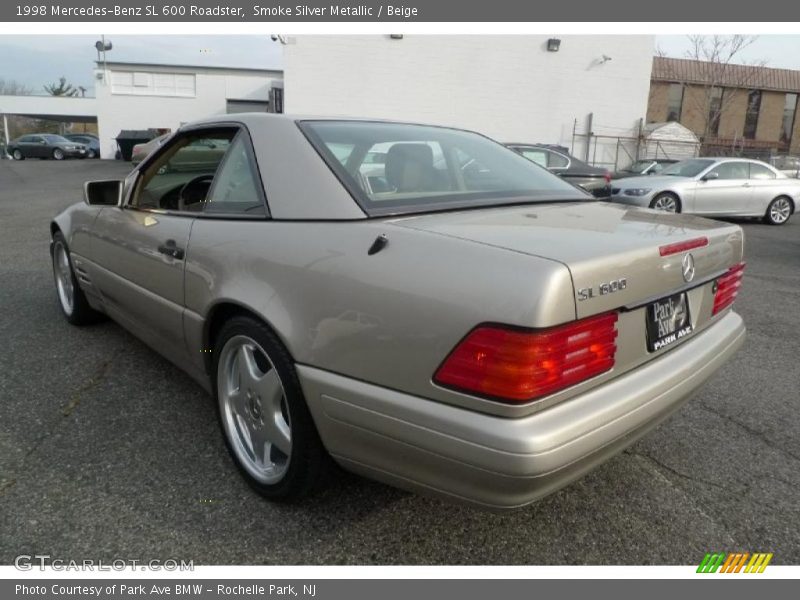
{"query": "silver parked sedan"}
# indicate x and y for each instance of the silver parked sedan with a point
(733, 187)
(460, 322)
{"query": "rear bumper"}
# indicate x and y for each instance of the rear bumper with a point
(502, 463)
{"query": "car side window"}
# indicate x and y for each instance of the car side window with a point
(760, 172)
(535, 155)
(181, 177)
(557, 161)
(732, 170)
(237, 186)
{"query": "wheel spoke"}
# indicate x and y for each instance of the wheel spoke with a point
(246, 366)
(271, 391)
(236, 399)
(281, 434)
(244, 433)
(261, 445)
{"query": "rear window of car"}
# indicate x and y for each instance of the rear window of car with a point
(397, 168)
(761, 172)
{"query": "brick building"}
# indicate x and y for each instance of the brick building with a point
(746, 108)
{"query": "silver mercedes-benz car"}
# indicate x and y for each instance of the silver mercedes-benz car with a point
(459, 322)
(733, 187)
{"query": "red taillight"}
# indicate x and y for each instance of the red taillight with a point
(728, 288)
(608, 177)
(682, 246)
(519, 366)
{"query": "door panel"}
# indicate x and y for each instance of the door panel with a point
(729, 194)
(140, 273)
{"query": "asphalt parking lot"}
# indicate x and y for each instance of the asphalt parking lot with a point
(107, 451)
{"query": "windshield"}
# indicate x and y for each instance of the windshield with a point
(395, 168)
(688, 168)
(639, 166)
(55, 139)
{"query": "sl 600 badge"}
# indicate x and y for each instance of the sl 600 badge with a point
(603, 289)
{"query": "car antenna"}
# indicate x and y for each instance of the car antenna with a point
(379, 244)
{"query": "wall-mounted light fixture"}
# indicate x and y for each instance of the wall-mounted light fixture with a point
(553, 44)
(396, 36)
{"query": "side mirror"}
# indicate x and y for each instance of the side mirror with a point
(102, 193)
(710, 176)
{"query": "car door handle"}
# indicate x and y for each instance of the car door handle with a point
(171, 249)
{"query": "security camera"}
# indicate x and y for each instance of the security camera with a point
(273, 37)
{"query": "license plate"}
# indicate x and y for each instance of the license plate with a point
(667, 321)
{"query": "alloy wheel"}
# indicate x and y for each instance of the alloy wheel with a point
(63, 275)
(58, 154)
(780, 210)
(17, 155)
(666, 203)
(254, 409)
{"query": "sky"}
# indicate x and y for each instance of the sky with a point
(36, 60)
(778, 51)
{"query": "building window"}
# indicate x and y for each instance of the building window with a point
(751, 116)
(153, 84)
(674, 101)
(789, 112)
(715, 110)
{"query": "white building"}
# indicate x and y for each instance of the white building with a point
(147, 96)
(510, 87)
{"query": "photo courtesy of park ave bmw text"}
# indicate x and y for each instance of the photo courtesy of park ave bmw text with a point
(345, 299)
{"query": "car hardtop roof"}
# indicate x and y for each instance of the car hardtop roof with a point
(259, 117)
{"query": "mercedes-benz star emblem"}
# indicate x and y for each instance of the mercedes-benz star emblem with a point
(687, 268)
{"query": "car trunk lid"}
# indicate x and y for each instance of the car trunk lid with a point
(612, 251)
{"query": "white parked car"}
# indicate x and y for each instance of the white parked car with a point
(714, 187)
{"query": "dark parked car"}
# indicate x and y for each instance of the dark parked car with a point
(90, 141)
(45, 145)
(556, 159)
(646, 166)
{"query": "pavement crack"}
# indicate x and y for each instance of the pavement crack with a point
(754, 432)
(658, 467)
(94, 379)
(6, 485)
(677, 473)
(74, 401)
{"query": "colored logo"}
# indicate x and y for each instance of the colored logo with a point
(734, 562)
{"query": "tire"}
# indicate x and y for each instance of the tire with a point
(91, 154)
(778, 211)
(58, 154)
(666, 202)
(260, 404)
(17, 154)
(70, 297)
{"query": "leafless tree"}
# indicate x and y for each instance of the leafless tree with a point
(720, 74)
(10, 87)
